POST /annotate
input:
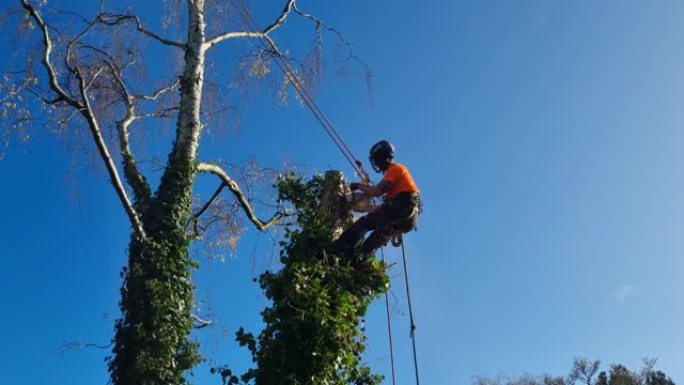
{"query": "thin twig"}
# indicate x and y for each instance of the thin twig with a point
(114, 19)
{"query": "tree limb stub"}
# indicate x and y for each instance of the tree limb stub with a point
(239, 196)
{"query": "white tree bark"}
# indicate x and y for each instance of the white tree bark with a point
(189, 123)
(239, 196)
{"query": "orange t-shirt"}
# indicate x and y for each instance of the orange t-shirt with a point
(400, 179)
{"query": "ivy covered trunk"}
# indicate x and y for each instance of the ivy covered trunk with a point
(314, 330)
(152, 344)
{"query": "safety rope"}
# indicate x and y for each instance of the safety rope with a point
(301, 90)
(389, 325)
(413, 325)
(356, 164)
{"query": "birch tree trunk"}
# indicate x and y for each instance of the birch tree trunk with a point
(152, 345)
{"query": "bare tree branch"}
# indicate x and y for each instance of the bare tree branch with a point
(199, 323)
(60, 350)
(159, 92)
(96, 132)
(350, 56)
(163, 113)
(195, 217)
(86, 110)
(73, 42)
(112, 19)
(47, 42)
(43, 98)
(251, 34)
(240, 197)
(74, 14)
(320, 23)
(95, 76)
(133, 176)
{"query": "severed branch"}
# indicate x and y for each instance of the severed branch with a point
(251, 34)
(114, 19)
(239, 196)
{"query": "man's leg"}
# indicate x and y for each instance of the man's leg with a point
(383, 234)
(350, 237)
(376, 240)
(353, 235)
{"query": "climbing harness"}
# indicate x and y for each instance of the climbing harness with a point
(393, 232)
(356, 164)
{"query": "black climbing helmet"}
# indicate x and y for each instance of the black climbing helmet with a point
(381, 154)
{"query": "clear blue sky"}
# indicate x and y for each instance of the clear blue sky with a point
(546, 137)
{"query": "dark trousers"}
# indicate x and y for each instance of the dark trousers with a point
(398, 215)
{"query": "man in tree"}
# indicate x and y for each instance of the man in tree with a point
(398, 213)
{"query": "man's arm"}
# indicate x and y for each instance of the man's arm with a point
(374, 191)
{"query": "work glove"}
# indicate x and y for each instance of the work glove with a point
(354, 186)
